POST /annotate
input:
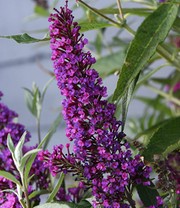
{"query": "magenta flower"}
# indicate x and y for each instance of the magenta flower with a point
(101, 156)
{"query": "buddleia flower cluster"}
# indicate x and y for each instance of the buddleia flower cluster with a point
(16, 130)
(101, 157)
(169, 173)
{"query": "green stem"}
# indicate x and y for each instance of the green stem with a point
(130, 30)
(22, 203)
(25, 191)
(120, 10)
(38, 130)
(165, 95)
(56, 188)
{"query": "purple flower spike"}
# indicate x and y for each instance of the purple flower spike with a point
(100, 150)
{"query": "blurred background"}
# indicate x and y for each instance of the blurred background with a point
(23, 64)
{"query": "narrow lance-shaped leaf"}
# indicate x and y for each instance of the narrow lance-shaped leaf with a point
(56, 188)
(18, 150)
(45, 88)
(38, 193)
(86, 26)
(27, 156)
(126, 100)
(164, 140)
(9, 176)
(10, 191)
(176, 25)
(152, 31)
(25, 38)
(10, 144)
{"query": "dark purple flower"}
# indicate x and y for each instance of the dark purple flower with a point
(101, 154)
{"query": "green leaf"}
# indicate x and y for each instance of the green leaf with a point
(56, 188)
(9, 176)
(164, 81)
(64, 205)
(27, 155)
(28, 99)
(34, 100)
(38, 193)
(18, 151)
(10, 144)
(37, 105)
(45, 88)
(41, 11)
(147, 133)
(152, 31)
(53, 205)
(98, 43)
(25, 38)
(147, 194)
(126, 100)
(109, 64)
(84, 203)
(52, 130)
(164, 140)
(86, 26)
(176, 25)
(10, 191)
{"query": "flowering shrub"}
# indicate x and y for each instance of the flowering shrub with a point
(108, 168)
